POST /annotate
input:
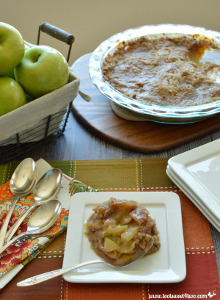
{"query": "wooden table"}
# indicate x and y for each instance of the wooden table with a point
(78, 143)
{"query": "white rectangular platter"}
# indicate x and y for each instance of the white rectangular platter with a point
(166, 265)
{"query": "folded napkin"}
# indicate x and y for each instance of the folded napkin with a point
(16, 256)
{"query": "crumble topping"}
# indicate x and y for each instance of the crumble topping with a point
(165, 70)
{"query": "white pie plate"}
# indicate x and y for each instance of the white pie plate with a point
(199, 169)
(193, 197)
(166, 265)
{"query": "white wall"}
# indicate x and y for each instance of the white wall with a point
(92, 21)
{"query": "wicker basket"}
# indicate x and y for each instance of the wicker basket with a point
(37, 121)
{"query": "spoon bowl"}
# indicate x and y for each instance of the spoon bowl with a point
(41, 220)
(44, 217)
(22, 183)
(46, 189)
(48, 186)
(24, 178)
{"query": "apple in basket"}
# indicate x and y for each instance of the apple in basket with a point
(12, 95)
(11, 48)
(43, 69)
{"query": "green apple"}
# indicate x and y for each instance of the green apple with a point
(12, 95)
(11, 48)
(42, 70)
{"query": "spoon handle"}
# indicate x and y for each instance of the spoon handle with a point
(15, 226)
(52, 274)
(13, 240)
(6, 221)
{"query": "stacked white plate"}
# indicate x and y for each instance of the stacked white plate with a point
(197, 173)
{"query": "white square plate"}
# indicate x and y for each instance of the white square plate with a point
(193, 197)
(166, 265)
(199, 169)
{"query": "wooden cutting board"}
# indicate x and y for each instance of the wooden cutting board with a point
(147, 136)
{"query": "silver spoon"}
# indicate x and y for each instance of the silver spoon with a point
(52, 274)
(45, 190)
(41, 220)
(22, 183)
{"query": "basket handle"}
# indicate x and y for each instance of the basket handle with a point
(58, 34)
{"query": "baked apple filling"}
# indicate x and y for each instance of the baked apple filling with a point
(120, 231)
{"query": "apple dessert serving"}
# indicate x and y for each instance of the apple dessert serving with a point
(165, 69)
(120, 231)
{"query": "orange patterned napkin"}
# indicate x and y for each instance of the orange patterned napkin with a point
(16, 256)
